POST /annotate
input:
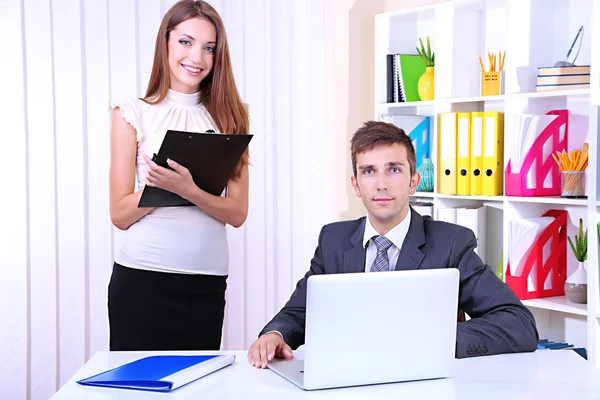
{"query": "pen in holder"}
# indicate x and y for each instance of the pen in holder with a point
(492, 79)
(492, 83)
(572, 167)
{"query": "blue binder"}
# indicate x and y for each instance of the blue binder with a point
(418, 128)
(420, 135)
(159, 373)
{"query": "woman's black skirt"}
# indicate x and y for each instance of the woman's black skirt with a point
(150, 310)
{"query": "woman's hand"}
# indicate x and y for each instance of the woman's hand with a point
(178, 180)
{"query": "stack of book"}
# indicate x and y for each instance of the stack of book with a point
(563, 78)
(545, 344)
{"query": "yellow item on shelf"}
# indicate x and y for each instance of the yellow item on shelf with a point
(574, 160)
(447, 153)
(426, 85)
(463, 177)
(493, 153)
(492, 83)
(476, 154)
(492, 80)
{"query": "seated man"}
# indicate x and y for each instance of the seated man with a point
(395, 237)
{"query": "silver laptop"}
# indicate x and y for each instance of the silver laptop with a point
(371, 328)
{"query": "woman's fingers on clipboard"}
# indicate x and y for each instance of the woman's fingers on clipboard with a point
(154, 170)
(175, 180)
(180, 169)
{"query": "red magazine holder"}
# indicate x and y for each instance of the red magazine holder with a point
(555, 265)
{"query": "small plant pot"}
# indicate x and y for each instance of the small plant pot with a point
(576, 285)
(576, 292)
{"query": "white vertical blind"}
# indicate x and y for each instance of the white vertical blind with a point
(42, 296)
(14, 236)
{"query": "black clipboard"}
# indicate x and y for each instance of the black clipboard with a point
(211, 159)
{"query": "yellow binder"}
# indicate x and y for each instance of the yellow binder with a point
(463, 177)
(493, 153)
(447, 153)
(476, 162)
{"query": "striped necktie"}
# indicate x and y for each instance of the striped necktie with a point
(382, 262)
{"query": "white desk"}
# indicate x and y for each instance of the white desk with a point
(556, 374)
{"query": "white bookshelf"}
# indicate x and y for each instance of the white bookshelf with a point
(558, 303)
(534, 33)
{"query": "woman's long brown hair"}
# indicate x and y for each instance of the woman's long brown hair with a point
(218, 91)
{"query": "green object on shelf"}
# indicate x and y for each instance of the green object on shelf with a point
(426, 172)
(410, 69)
(500, 268)
(426, 54)
(580, 247)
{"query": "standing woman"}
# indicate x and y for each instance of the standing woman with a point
(167, 289)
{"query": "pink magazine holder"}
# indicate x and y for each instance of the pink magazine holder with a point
(516, 183)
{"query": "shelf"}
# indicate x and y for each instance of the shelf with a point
(559, 303)
(513, 199)
(480, 99)
(548, 200)
(429, 195)
(556, 93)
(461, 197)
(475, 99)
(408, 104)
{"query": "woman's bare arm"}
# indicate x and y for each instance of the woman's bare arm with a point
(124, 211)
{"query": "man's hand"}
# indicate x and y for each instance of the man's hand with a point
(266, 347)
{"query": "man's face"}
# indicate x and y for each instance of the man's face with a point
(383, 182)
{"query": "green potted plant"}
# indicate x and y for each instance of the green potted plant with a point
(576, 283)
(426, 81)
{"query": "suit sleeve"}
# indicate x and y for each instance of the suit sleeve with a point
(290, 321)
(499, 322)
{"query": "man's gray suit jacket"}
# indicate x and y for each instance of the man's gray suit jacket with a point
(499, 322)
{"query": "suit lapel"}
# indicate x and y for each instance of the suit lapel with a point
(411, 256)
(355, 257)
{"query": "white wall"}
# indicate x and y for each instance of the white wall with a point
(64, 60)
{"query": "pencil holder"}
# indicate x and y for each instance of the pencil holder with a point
(492, 83)
(573, 184)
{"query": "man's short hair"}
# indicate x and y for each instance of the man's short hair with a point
(377, 133)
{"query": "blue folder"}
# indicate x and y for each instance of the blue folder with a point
(418, 129)
(159, 373)
(420, 135)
